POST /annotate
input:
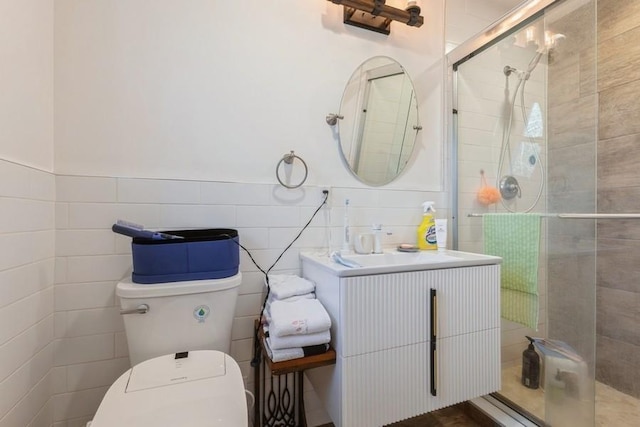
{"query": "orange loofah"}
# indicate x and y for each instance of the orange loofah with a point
(487, 195)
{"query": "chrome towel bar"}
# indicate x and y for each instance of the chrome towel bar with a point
(579, 215)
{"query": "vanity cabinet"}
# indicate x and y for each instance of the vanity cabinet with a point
(407, 343)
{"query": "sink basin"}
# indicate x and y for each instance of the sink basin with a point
(393, 261)
(400, 258)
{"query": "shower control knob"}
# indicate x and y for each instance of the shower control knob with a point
(509, 187)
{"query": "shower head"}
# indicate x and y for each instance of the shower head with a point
(508, 70)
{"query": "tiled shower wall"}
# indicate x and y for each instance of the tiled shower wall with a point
(618, 290)
(90, 342)
(26, 295)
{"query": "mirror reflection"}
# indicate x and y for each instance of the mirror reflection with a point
(380, 121)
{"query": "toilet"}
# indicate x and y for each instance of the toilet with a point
(179, 336)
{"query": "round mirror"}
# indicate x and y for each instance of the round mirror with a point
(379, 121)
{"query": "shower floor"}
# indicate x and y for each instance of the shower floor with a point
(613, 408)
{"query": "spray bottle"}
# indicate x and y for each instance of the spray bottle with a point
(427, 229)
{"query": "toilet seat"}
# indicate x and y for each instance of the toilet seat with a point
(203, 388)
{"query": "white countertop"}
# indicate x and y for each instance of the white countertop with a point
(393, 261)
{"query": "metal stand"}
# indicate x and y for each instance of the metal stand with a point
(280, 391)
(280, 398)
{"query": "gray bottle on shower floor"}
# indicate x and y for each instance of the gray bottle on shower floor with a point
(530, 366)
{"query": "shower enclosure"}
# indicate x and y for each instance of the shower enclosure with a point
(533, 120)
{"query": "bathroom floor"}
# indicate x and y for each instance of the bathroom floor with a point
(613, 408)
(446, 417)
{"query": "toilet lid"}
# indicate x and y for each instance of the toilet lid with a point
(201, 387)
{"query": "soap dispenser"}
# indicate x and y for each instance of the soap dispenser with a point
(530, 366)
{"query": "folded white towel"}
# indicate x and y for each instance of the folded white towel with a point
(304, 316)
(290, 341)
(271, 299)
(288, 285)
(293, 353)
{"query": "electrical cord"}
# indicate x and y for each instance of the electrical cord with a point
(256, 344)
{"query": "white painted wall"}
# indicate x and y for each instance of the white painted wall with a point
(26, 82)
(217, 90)
(466, 18)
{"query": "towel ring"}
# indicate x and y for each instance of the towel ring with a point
(288, 160)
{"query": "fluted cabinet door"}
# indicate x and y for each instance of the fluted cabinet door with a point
(386, 386)
(384, 311)
(393, 309)
(467, 366)
(468, 299)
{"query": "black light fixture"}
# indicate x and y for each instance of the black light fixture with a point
(376, 16)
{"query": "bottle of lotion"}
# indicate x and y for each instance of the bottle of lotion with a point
(530, 366)
(427, 229)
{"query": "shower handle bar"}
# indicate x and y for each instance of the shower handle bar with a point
(579, 216)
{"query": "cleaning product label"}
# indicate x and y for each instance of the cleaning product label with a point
(431, 235)
(427, 234)
(427, 229)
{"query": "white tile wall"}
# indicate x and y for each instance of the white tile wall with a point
(26, 295)
(78, 404)
(90, 343)
(33, 409)
(90, 348)
(24, 346)
(95, 374)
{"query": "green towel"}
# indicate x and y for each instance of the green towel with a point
(516, 239)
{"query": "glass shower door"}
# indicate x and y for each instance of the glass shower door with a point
(526, 127)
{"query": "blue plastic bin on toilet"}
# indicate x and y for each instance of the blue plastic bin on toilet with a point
(201, 254)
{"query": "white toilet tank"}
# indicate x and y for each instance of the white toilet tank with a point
(180, 316)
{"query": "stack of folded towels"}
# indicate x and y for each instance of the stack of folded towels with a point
(297, 325)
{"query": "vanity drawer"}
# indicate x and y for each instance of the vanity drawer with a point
(390, 310)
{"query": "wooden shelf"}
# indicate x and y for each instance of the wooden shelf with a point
(297, 365)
